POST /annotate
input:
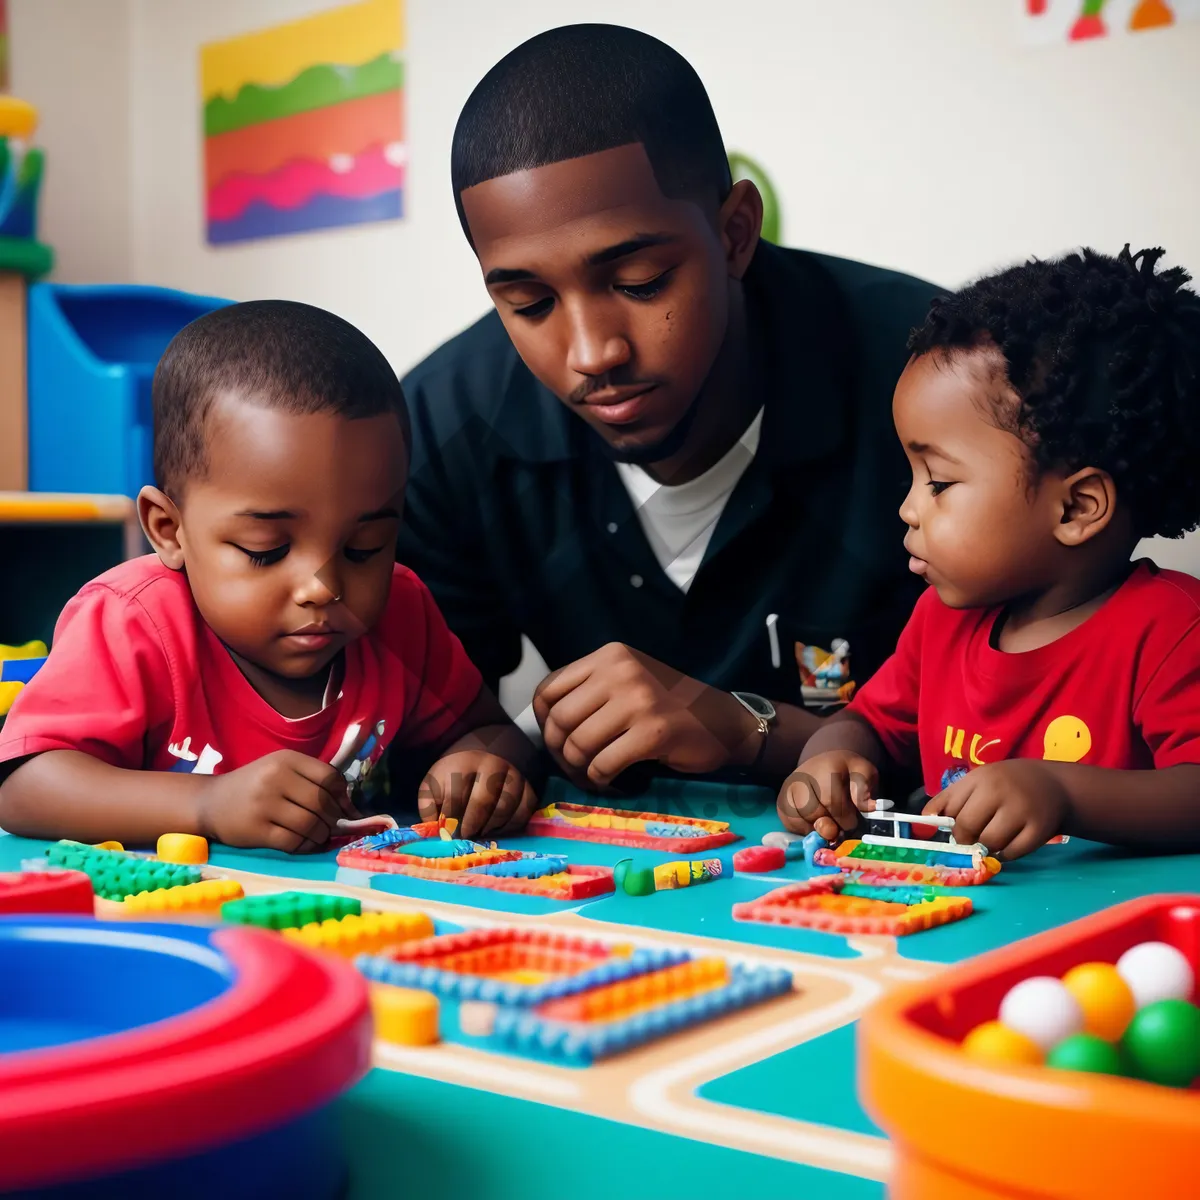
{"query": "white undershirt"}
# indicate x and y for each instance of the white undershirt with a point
(679, 521)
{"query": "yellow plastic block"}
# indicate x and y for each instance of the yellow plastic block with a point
(186, 848)
(204, 897)
(365, 934)
(109, 846)
(615, 1001)
(405, 1016)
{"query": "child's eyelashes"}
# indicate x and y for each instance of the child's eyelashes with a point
(647, 290)
(265, 558)
(937, 487)
(539, 308)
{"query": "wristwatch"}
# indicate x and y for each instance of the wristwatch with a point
(763, 711)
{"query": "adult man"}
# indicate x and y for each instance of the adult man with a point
(667, 457)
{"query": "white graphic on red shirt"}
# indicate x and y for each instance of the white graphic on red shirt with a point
(204, 762)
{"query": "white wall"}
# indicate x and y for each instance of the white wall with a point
(919, 134)
(71, 59)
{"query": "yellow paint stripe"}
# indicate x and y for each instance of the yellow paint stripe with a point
(346, 37)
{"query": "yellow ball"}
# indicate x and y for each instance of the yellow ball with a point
(1106, 999)
(186, 848)
(999, 1046)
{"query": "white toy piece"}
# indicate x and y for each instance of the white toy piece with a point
(1043, 1010)
(1156, 971)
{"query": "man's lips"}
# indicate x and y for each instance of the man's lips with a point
(619, 406)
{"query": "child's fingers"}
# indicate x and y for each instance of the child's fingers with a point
(1028, 840)
(795, 806)
(487, 791)
(506, 806)
(840, 807)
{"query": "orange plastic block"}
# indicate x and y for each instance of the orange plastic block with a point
(616, 1001)
(495, 952)
(188, 849)
(818, 904)
(404, 1016)
(207, 896)
(367, 933)
(880, 870)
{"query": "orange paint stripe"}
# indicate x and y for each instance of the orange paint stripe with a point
(346, 128)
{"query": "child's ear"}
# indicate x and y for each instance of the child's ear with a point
(1089, 505)
(160, 521)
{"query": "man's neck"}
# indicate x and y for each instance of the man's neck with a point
(726, 406)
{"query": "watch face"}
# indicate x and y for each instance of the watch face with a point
(756, 704)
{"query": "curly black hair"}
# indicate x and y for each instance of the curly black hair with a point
(1104, 354)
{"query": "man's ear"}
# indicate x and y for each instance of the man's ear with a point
(161, 523)
(1089, 505)
(739, 223)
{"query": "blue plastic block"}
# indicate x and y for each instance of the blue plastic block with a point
(92, 354)
(671, 830)
(436, 848)
(389, 837)
(523, 868)
(938, 858)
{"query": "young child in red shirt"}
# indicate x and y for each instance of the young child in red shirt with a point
(241, 681)
(1045, 683)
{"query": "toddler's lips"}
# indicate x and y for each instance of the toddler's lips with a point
(311, 638)
(918, 566)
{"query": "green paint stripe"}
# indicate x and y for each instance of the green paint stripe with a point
(316, 87)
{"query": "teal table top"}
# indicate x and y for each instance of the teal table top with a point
(771, 1111)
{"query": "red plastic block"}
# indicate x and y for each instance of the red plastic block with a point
(759, 858)
(46, 892)
(720, 834)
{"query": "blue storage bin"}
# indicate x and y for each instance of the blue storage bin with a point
(92, 354)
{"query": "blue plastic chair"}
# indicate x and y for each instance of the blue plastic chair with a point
(92, 354)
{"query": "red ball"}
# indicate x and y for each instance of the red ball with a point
(759, 858)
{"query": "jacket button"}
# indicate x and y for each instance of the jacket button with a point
(613, 527)
(636, 580)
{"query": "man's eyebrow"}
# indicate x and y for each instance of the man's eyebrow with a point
(929, 448)
(630, 246)
(281, 515)
(380, 514)
(641, 241)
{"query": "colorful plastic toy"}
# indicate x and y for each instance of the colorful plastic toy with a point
(132, 1052)
(288, 910)
(427, 851)
(838, 904)
(404, 1016)
(566, 1000)
(1075, 1128)
(361, 933)
(20, 185)
(184, 848)
(903, 864)
(195, 899)
(760, 858)
(641, 881)
(18, 665)
(46, 892)
(641, 830)
(115, 874)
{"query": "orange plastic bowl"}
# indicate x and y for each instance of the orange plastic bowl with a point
(966, 1131)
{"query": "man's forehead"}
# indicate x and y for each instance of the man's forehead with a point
(542, 200)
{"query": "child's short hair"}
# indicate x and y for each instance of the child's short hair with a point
(1105, 356)
(276, 353)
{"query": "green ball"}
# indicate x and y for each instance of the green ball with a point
(1086, 1052)
(1162, 1043)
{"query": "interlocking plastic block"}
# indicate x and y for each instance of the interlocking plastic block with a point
(46, 892)
(579, 1044)
(822, 904)
(388, 838)
(115, 875)
(207, 896)
(759, 858)
(108, 846)
(511, 967)
(903, 864)
(525, 868)
(589, 823)
(186, 848)
(619, 1000)
(404, 1016)
(365, 933)
(286, 910)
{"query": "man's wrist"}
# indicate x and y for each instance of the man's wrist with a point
(748, 735)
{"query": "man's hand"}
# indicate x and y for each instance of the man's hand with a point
(486, 793)
(826, 793)
(1011, 807)
(616, 707)
(283, 801)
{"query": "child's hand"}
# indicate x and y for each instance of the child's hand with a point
(826, 792)
(284, 801)
(485, 792)
(1011, 807)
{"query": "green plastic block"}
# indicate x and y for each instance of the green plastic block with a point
(115, 874)
(288, 910)
(898, 854)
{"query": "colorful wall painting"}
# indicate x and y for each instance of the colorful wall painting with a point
(303, 124)
(1049, 22)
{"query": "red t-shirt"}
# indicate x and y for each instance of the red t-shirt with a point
(137, 679)
(1122, 690)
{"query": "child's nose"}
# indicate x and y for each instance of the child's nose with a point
(320, 589)
(908, 512)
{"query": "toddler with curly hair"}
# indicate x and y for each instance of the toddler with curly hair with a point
(1045, 683)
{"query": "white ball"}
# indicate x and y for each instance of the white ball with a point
(781, 838)
(1043, 1010)
(1156, 971)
